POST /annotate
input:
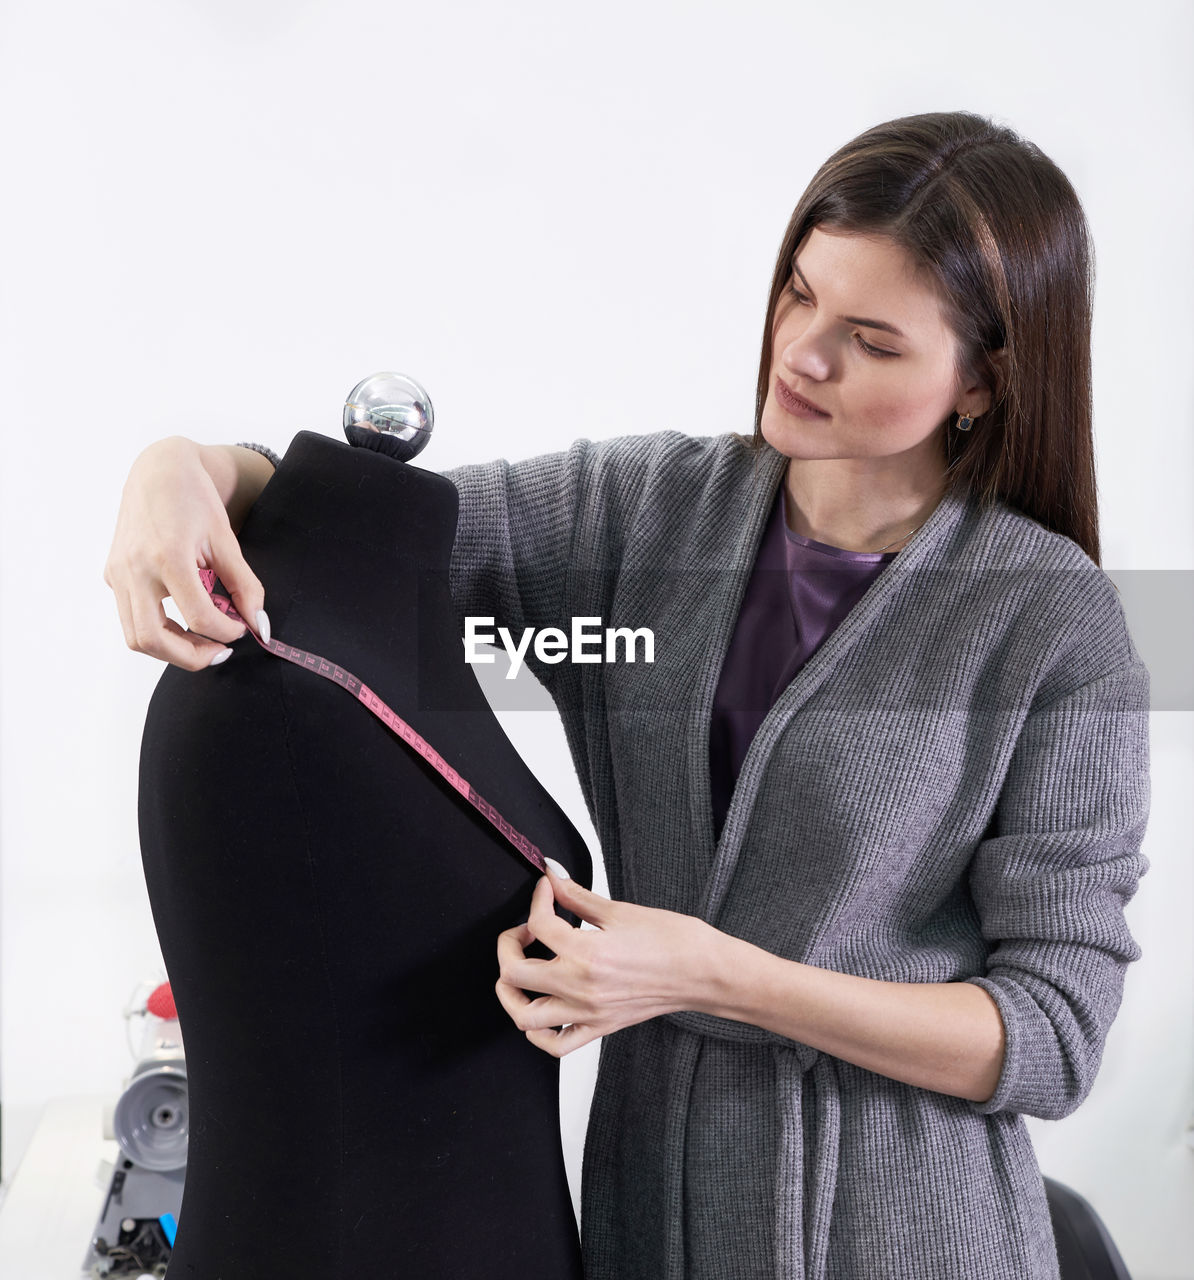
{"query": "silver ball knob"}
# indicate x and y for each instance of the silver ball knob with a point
(390, 413)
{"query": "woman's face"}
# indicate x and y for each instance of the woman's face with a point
(862, 359)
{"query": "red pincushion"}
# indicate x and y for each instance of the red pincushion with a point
(161, 1002)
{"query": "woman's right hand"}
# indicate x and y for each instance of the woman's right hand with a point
(172, 522)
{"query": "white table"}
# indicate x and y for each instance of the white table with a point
(55, 1197)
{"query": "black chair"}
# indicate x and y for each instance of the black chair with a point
(1085, 1250)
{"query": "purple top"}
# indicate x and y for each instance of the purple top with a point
(799, 590)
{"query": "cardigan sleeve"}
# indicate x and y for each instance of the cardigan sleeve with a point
(514, 535)
(1051, 883)
(264, 450)
(540, 540)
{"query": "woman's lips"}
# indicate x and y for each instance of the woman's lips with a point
(796, 404)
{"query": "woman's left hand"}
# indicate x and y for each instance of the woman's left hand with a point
(638, 963)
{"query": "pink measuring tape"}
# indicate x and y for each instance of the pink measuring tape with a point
(361, 691)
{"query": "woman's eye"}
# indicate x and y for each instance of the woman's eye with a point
(867, 349)
(803, 300)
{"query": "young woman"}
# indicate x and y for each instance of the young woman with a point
(871, 816)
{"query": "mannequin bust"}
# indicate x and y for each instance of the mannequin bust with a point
(328, 910)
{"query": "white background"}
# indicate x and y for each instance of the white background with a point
(219, 215)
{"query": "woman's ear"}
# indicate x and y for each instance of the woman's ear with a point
(981, 390)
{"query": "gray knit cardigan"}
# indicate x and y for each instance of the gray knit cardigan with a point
(953, 788)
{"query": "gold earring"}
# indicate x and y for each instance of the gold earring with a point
(965, 422)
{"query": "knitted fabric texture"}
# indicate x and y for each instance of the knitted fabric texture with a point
(954, 787)
(264, 450)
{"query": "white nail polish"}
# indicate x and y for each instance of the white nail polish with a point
(263, 625)
(221, 655)
(559, 869)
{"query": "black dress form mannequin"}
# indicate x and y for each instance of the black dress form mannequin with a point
(328, 910)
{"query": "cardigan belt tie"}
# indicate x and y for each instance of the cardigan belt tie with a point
(714, 1028)
(802, 1215)
(805, 1202)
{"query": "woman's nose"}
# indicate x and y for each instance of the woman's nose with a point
(805, 355)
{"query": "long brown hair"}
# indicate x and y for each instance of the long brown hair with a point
(998, 228)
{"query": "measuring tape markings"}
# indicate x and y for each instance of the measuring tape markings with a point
(390, 718)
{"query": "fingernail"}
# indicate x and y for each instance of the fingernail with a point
(559, 870)
(263, 625)
(220, 655)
